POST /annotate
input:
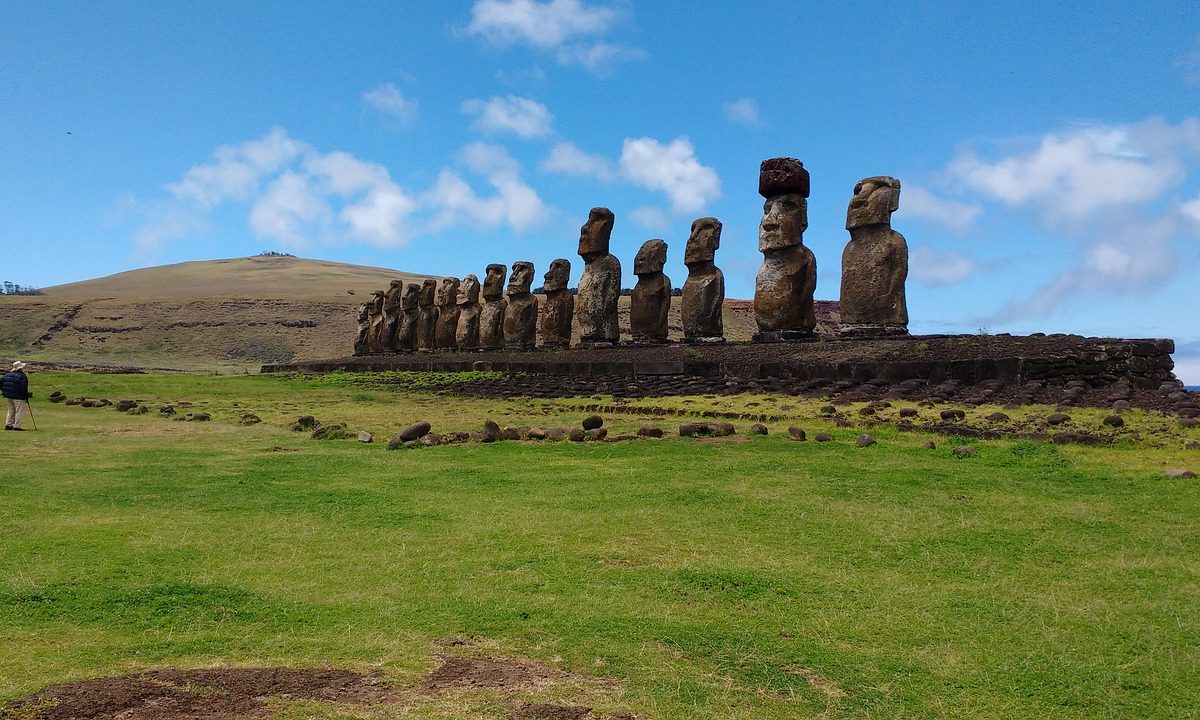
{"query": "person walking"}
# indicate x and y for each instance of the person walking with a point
(15, 387)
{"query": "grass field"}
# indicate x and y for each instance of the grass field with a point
(679, 578)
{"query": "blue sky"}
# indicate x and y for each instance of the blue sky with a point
(1050, 156)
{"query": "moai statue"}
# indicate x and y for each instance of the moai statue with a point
(375, 318)
(704, 291)
(406, 336)
(559, 307)
(427, 313)
(447, 320)
(874, 263)
(521, 315)
(466, 334)
(364, 327)
(391, 316)
(491, 315)
(651, 300)
(783, 291)
(600, 286)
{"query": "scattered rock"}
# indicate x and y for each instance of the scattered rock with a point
(416, 431)
(395, 442)
(963, 451)
(576, 435)
(865, 441)
(334, 431)
(556, 433)
(1114, 421)
(797, 434)
(536, 434)
(1179, 473)
(509, 433)
(758, 429)
(56, 397)
(1120, 406)
(1058, 419)
(126, 405)
(1189, 422)
(365, 437)
(650, 431)
(430, 439)
(823, 437)
(305, 422)
(491, 431)
(909, 412)
(200, 417)
(1192, 446)
(689, 430)
(596, 433)
(998, 417)
(721, 429)
(249, 419)
(952, 415)
(867, 411)
(591, 422)
(165, 410)
(929, 445)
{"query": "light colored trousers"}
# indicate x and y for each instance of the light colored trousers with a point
(16, 411)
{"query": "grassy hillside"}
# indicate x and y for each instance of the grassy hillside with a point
(218, 314)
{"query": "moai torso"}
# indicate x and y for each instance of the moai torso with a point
(376, 320)
(406, 336)
(521, 315)
(783, 289)
(447, 320)
(491, 317)
(466, 333)
(364, 326)
(704, 290)
(559, 306)
(427, 313)
(600, 286)
(391, 316)
(651, 300)
(874, 262)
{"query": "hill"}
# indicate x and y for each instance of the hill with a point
(206, 315)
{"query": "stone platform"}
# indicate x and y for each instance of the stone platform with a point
(969, 359)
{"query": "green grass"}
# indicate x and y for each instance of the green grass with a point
(742, 578)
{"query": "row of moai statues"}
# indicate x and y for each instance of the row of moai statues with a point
(872, 302)
(449, 314)
(874, 262)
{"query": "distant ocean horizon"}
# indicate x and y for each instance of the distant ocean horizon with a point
(1196, 388)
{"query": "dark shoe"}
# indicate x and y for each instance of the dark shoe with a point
(17, 429)
(8, 427)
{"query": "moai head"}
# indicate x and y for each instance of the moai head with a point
(447, 293)
(377, 300)
(521, 278)
(392, 297)
(428, 288)
(412, 293)
(557, 276)
(470, 291)
(702, 244)
(874, 201)
(493, 282)
(595, 233)
(363, 312)
(650, 258)
(784, 183)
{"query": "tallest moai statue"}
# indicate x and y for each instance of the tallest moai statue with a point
(783, 290)
(600, 286)
(874, 263)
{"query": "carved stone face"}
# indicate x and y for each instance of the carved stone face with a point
(362, 311)
(650, 258)
(596, 232)
(785, 218)
(470, 291)
(702, 244)
(377, 302)
(447, 293)
(521, 278)
(428, 288)
(874, 201)
(412, 294)
(493, 283)
(558, 275)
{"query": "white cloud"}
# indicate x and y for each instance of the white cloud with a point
(1191, 209)
(567, 159)
(380, 218)
(600, 58)
(514, 204)
(543, 25)
(932, 267)
(524, 117)
(289, 203)
(917, 202)
(651, 218)
(744, 111)
(673, 169)
(390, 100)
(236, 170)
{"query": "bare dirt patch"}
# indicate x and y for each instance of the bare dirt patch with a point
(463, 673)
(197, 694)
(541, 711)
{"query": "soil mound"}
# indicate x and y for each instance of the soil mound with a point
(464, 672)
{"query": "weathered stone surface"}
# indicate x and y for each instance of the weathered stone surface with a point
(689, 429)
(1179, 473)
(783, 289)
(556, 433)
(1114, 421)
(466, 333)
(491, 319)
(521, 315)
(650, 431)
(600, 286)
(758, 429)
(365, 437)
(929, 445)
(651, 299)
(375, 322)
(558, 309)
(951, 415)
(963, 451)
(427, 314)
(595, 433)
(448, 312)
(874, 262)
(406, 334)
(704, 290)
(392, 303)
(823, 437)
(1058, 419)
(361, 345)
(576, 435)
(591, 422)
(797, 434)
(415, 431)
(997, 417)
(864, 441)
(491, 431)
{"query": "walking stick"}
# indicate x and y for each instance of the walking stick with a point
(32, 419)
